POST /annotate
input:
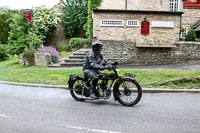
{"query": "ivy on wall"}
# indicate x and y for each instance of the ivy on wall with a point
(92, 4)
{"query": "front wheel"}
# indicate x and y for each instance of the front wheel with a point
(128, 92)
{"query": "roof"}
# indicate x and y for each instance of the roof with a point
(137, 11)
(196, 24)
(198, 28)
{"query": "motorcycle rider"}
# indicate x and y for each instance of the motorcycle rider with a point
(91, 66)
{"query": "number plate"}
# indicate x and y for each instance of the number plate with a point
(119, 73)
(129, 75)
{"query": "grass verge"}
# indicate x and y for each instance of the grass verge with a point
(155, 78)
(65, 53)
(13, 62)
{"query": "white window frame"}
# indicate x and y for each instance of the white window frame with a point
(162, 24)
(111, 22)
(174, 5)
(132, 23)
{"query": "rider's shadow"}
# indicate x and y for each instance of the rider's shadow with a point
(102, 102)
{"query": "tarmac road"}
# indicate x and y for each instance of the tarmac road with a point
(40, 110)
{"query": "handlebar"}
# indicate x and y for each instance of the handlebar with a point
(111, 66)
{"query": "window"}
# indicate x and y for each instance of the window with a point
(112, 23)
(174, 5)
(132, 22)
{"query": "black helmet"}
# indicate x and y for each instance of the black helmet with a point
(97, 45)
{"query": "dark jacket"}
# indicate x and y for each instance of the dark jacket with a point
(92, 60)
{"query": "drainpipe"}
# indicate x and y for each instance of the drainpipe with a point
(180, 26)
(126, 4)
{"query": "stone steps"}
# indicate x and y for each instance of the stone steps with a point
(76, 59)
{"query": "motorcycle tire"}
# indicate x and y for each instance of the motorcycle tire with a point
(128, 92)
(76, 90)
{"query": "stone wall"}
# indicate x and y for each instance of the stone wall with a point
(135, 4)
(128, 33)
(128, 53)
(42, 59)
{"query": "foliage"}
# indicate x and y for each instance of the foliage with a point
(4, 27)
(3, 53)
(61, 47)
(92, 4)
(28, 57)
(44, 20)
(191, 36)
(5, 19)
(181, 39)
(18, 35)
(19, 38)
(78, 42)
(51, 50)
(74, 16)
(64, 48)
(65, 53)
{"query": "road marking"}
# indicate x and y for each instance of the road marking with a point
(91, 130)
(3, 115)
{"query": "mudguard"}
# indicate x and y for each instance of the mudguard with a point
(117, 83)
(74, 78)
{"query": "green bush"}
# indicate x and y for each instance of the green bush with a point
(78, 42)
(64, 48)
(6, 16)
(191, 36)
(28, 57)
(3, 53)
(19, 38)
(181, 39)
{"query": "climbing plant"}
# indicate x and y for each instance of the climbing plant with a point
(92, 4)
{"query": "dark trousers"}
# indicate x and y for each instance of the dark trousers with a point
(94, 75)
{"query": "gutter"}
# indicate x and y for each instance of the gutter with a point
(137, 11)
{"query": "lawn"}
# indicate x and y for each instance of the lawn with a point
(13, 62)
(147, 78)
(156, 78)
(65, 53)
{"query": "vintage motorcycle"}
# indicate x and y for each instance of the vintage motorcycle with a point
(126, 90)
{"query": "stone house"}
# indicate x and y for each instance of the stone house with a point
(146, 31)
(165, 17)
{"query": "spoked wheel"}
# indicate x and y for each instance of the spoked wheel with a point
(76, 89)
(129, 92)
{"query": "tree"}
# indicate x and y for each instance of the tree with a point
(19, 38)
(44, 20)
(6, 16)
(74, 16)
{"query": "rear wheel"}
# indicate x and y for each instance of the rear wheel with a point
(76, 89)
(128, 92)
